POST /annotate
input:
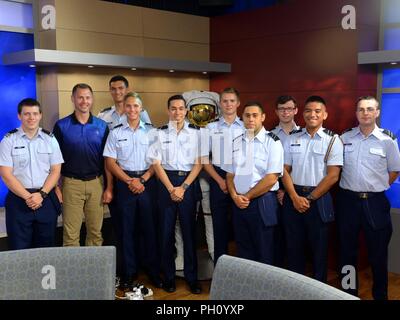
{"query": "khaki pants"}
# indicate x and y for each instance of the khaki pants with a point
(82, 199)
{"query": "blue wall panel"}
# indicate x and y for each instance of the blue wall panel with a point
(16, 83)
(390, 120)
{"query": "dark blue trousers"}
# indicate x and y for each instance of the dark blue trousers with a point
(302, 229)
(254, 240)
(28, 228)
(355, 214)
(187, 218)
(221, 207)
(135, 216)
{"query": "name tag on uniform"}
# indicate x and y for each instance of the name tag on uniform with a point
(347, 144)
(377, 151)
(122, 140)
(168, 141)
(218, 132)
(295, 145)
(23, 147)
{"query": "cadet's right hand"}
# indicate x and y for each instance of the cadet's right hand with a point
(59, 194)
(301, 204)
(34, 201)
(280, 194)
(223, 187)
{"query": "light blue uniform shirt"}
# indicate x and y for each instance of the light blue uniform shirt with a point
(175, 151)
(113, 118)
(128, 146)
(254, 158)
(221, 135)
(368, 160)
(305, 154)
(30, 159)
(282, 134)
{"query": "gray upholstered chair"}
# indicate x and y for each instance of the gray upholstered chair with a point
(240, 279)
(65, 273)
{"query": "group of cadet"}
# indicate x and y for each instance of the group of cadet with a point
(274, 184)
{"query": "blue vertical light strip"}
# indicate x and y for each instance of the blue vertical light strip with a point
(390, 120)
(16, 83)
(390, 103)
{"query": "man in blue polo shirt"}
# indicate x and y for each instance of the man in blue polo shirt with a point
(82, 137)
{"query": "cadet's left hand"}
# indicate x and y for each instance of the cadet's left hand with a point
(107, 196)
(178, 194)
(135, 186)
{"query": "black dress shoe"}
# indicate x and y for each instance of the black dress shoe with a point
(169, 286)
(195, 287)
(156, 281)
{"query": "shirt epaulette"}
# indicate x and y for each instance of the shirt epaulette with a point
(47, 132)
(347, 130)
(273, 136)
(295, 131)
(389, 133)
(9, 133)
(163, 127)
(329, 132)
(117, 126)
(105, 109)
(194, 126)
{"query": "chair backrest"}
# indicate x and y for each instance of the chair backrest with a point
(240, 279)
(62, 273)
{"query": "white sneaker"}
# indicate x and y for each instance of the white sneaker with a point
(134, 295)
(146, 292)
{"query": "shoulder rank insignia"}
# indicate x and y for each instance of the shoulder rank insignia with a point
(117, 126)
(163, 127)
(347, 130)
(273, 136)
(194, 126)
(329, 132)
(296, 131)
(389, 133)
(105, 109)
(9, 133)
(47, 132)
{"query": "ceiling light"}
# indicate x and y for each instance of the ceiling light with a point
(133, 69)
(90, 67)
(171, 71)
(393, 63)
(32, 66)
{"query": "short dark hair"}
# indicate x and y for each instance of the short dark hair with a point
(176, 97)
(28, 102)
(285, 98)
(119, 78)
(81, 86)
(316, 99)
(231, 90)
(254, 104)
(368, 98)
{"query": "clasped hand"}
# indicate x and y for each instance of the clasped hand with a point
(35, 201)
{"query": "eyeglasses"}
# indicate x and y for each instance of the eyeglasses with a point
(367, 110)
(282, 110)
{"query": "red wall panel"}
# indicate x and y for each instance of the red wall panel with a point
(300, 49)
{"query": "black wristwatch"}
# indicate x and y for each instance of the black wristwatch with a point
(185, 186)
(142, 180)
(43, 194)
(310, 197)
